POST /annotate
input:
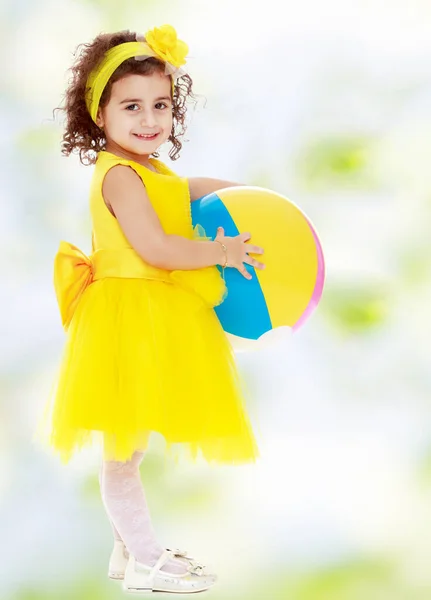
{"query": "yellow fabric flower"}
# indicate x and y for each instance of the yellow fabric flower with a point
(163, 40)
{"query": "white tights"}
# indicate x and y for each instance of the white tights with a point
(124, 499)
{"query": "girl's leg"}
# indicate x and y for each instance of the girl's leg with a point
(125, 502)
(117, 536)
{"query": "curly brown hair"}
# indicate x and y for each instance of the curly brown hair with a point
(81, 133)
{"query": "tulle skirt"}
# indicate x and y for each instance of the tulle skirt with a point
(144, 356)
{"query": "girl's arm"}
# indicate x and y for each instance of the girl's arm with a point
(201, 186)
(142, 228)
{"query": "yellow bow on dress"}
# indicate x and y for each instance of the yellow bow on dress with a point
(73, 272)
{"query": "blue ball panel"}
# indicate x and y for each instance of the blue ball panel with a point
(244, 312)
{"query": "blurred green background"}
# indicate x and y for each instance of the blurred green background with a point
(328, 104)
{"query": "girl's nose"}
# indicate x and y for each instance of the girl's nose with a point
(148, 118)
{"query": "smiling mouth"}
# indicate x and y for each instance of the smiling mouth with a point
(146, 137)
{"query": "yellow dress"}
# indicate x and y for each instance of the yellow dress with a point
(145, 350)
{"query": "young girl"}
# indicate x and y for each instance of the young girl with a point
(145, 350)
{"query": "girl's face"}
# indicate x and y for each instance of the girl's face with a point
(139, 105)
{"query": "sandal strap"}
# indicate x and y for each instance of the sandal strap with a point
(163, 559)
(194, 567)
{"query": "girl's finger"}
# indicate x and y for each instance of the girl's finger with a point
(254, 249)
(254, 263)
(245, 236)
(244, 272)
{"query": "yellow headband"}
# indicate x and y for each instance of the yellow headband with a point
(160, 42)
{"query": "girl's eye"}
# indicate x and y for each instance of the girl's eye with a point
(158, 104)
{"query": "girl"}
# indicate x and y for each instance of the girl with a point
(145, 350)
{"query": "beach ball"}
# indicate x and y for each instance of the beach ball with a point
(287, 291)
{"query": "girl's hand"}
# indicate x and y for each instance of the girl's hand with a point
(238, 252)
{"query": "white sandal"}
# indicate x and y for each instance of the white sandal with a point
(120, 556)
(140, 578)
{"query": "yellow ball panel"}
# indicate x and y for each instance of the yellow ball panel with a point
(277, 225)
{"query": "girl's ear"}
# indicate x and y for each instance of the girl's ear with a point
(99, 119)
